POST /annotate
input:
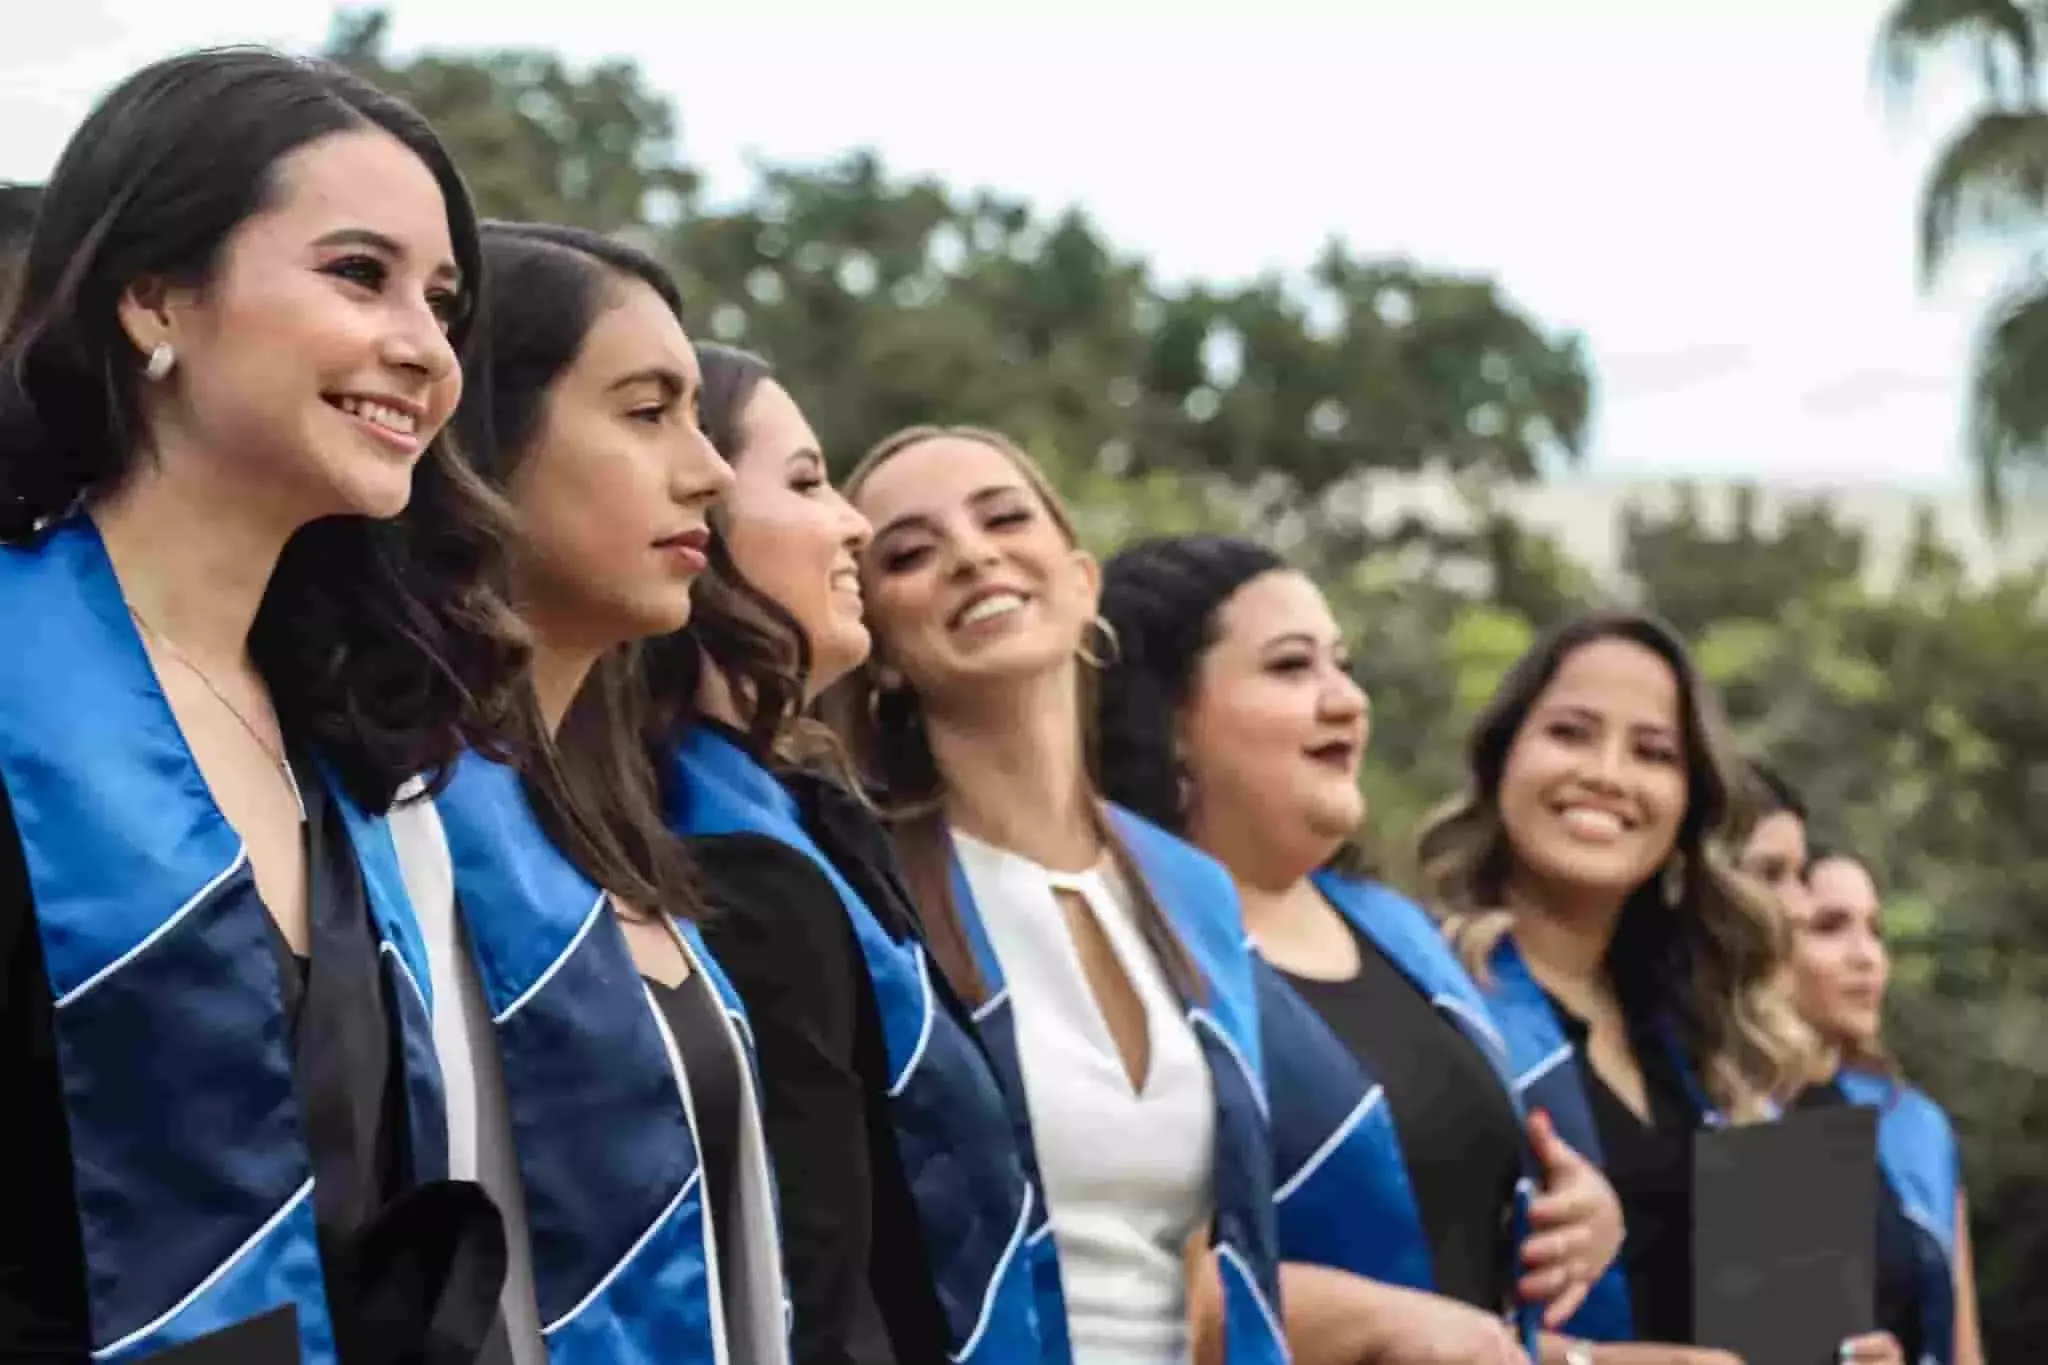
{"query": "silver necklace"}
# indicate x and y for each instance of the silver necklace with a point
(270, 751)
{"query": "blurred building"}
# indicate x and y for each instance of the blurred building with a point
(1586, 512)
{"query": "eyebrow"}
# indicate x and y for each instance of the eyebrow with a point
(389, 246)
(805, 455)
(1292, 637)
(974, 499)
(671, 382)
(1585, 712)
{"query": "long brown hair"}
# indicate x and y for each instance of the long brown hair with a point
(593, 787)
(883, 730)
(1712, 959)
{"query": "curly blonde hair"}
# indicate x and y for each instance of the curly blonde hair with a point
(1711, 960)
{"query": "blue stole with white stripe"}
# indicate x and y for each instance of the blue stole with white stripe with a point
(623, 1265)
(190, 1163)
(1226, 1026)
(1916, 1150)
(952, 1129)
(1549, 1076)
(1343, 1195)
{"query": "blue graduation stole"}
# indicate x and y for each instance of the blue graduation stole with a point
(193, 1179)
(947, 1109)
(1227, 1028)
(1344, 1197)
(1548, 1076)
(1916, 1150)
(607, 1153)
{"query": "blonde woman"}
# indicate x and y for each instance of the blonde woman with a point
(1103, 958)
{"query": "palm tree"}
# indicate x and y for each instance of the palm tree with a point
(1990, 180)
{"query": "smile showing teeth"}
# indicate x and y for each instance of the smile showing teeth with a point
(1592, 823)
(990, 607)
(379, 414)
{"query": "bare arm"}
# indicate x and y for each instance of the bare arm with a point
(1640, 1353)
(1969, 1337)
(1336, 1318)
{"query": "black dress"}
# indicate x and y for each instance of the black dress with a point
(1898, 1275)
(413, 1252)
(1458, 1130)
(853, 1247)
(1650, 1166)
(696, 1020)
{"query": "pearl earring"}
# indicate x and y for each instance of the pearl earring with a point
(161, 358)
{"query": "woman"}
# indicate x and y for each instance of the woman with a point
(233, 356)
(611, 1056)
(1129, 1052)
(1926, 1293)
(903, 1196)
(1631, 968)
(1775, 851)
(1233, 721)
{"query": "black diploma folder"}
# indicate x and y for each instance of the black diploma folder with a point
(1785, 1235)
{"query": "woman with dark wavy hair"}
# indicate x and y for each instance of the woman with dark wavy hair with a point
(1401, 1167)
(234, 350)
(611, 1080)
(1585, 880)
(904, 1199)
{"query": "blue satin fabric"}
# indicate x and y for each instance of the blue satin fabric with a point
(193, 1178)
(953, 1132)
(616, 1213)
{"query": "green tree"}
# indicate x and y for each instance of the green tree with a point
(1990, 180)
(535, 140)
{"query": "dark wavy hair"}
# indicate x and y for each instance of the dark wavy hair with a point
(1161, 598)
(381, 641)
(747, 635)
(17, 218)
(593, 786)
(1769, 793)
(1711, 960)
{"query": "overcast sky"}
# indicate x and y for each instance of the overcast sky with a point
(1711, 190)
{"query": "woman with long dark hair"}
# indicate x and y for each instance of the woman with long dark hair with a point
(1586, 884)
(612, 1098)
(1104, 959)
(904, 1199)
(227, 372)
(1232, 720)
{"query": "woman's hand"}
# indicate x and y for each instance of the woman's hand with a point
(1575, 1227)
(1873, 1348)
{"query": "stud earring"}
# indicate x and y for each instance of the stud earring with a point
(161, 359)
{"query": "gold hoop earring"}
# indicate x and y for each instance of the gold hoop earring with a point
(1112, 652)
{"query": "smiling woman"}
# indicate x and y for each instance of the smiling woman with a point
(234, 352)
(1586, 884)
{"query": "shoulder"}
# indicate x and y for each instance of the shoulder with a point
(764, 891)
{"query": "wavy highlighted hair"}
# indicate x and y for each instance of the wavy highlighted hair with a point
(1709, 959)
